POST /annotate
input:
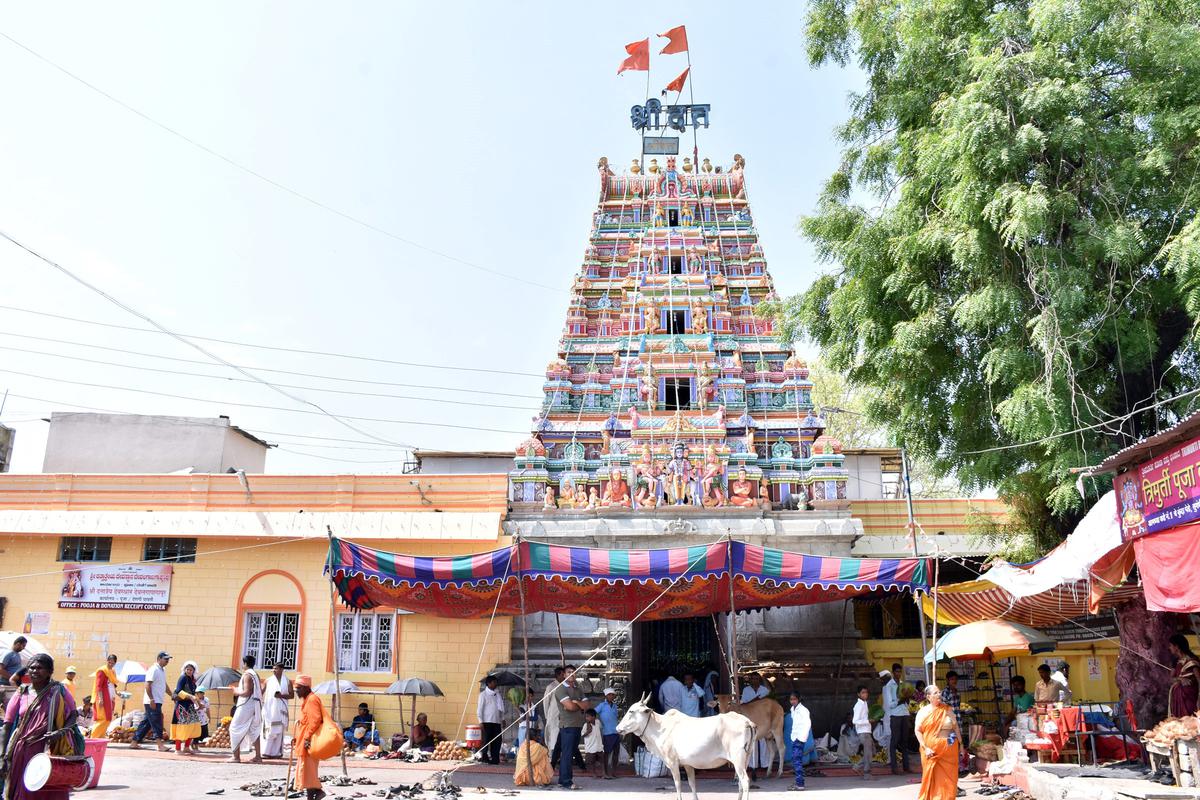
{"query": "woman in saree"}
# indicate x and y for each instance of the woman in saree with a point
(938, 736)
(104, 698)
(185, 722)
(45, 722)
(1185, 678)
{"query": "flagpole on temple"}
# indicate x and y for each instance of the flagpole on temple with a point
(643, 131)
(692, 100)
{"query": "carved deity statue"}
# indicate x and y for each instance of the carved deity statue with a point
(567, 498)
(679, 475)
(617, 491)
(581, 496)
(660, 216)
(710, 481)
(651, 315)
(548, 503)
(704, 390)
(593, 498)
(740, 491)
(764, 494)
(687, 217)
(699, 317)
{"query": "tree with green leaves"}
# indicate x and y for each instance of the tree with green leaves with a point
(1012, 234)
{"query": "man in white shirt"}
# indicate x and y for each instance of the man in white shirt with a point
(801, 728)
(670, 694)
(861, 719)
(153, 696)
(895, 712)
(692, 697)
(755, 690)
(275, 711)
(491, 713)
(1061, 676)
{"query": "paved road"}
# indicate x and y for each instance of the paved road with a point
(149, 775)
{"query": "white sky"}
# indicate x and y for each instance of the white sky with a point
(472, 129)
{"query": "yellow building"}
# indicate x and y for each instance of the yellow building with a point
(245, 556)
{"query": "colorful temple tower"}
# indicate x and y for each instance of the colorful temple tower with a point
(668, 387)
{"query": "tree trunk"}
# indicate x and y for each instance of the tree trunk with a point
(1140, 678)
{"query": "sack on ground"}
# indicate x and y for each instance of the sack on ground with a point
(648, 765)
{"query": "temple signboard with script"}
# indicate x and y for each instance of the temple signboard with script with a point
(129, 587)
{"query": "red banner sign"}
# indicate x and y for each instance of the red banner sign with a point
(1161, 493)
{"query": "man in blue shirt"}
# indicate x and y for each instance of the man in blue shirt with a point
(692, 696)
(607, 713)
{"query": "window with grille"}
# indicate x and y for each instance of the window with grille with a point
(85, 548)
(272, 636)
(365, 642)
(170, 549)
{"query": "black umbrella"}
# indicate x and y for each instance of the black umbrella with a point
(215, 678)
(504, 678)
(414, 687)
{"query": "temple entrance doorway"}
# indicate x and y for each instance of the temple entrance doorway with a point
(673, 647)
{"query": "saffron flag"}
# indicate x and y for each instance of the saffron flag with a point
(677, 84)
(677, 41)
(639, 57)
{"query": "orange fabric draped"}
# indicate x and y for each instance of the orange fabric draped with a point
(309, 723)
(939, 772)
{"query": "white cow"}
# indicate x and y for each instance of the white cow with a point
(693, 742)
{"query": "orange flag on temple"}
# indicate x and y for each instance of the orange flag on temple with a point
(678, 40)
(639, 56)
(677, 84)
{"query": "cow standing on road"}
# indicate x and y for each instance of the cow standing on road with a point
(693, 743)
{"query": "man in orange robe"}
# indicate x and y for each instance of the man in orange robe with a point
(104, 692)
(311, 714)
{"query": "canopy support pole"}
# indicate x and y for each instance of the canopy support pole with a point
(732, 616)
(912, 532)
(562, 654)
(528, 686)
(337, 673)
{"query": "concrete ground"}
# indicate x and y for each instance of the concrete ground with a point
(147, 774)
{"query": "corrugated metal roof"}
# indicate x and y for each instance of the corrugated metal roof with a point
(1186, 428)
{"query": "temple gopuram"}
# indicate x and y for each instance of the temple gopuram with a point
(669, 390)
(673, 415)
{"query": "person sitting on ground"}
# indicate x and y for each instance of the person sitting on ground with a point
(362, 731)
(421, 737)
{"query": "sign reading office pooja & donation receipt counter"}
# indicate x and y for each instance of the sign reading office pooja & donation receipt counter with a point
(129, 587)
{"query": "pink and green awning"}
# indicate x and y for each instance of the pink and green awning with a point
(612, 584)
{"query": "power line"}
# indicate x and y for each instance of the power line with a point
(284, 385)
(322, 412)
(276, 184)
(275, 348)
(249, 429)
(318, 375)
(1053, 436)
(130, 310)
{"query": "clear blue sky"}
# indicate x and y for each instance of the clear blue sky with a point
(472, 129)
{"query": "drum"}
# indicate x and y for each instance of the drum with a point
(54, 772)
(474, 735)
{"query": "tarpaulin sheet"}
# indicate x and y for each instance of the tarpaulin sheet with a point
(612, 584)
(1169, 564)
(975, 601)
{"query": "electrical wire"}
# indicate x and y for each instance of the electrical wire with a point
(284, 385)
(322, 412)
(1054, 436)
(213, 356)
(273, 348)
(321, 376)
(274, 183)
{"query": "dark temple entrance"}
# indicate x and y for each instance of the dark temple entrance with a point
(673, 646)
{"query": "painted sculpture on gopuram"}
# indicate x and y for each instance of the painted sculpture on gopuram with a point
(668, 389)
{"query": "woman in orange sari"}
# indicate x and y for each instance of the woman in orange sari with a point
(938, 735)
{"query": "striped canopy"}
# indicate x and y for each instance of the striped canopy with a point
(974, 601)
(613, 584)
